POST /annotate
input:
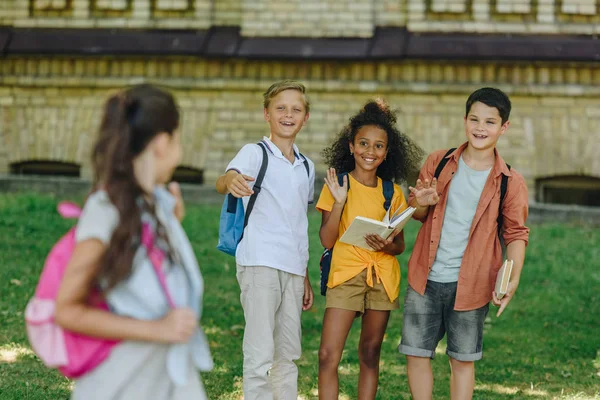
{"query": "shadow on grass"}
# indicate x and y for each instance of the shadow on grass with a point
(23, 376)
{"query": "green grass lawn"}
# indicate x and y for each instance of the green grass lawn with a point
(545, 345)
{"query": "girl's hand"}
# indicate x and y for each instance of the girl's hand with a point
(378, 243)
(425, 193)
(339, 193)
(177, 326)
(179, 210)
(307, 300)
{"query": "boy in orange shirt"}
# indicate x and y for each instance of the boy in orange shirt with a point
(457, 255)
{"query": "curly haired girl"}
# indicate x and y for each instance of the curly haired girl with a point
(369, 151)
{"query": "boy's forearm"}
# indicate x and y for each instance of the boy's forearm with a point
(221, 185)
(223, 182)
(515, 251)
(421, 212)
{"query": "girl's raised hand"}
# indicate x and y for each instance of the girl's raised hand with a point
(339, 193)
(425, 192)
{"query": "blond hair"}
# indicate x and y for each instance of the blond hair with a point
(287, 84)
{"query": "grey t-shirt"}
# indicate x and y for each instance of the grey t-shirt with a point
(463, 197)
(98, 221)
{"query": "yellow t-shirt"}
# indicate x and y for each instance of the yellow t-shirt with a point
(348, 261)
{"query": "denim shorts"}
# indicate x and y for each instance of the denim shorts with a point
(429, 317)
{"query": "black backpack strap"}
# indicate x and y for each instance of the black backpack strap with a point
(257, 183)
(305, 162)
(341, 182)
(341, 179)
(443, 163)
(388, 193)
(503, 188)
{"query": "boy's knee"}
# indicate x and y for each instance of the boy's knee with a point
(461, 366)
(369, 354)
(416, 363)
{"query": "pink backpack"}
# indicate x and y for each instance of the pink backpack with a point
(71, 353)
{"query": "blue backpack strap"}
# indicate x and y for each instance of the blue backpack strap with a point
(388, 193)
(503, 188)
(443, 163)
(257, 183)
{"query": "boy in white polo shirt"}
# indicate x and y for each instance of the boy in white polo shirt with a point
(272, 256)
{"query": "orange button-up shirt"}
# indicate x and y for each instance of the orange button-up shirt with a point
(483, 255)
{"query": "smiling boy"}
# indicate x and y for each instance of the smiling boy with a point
(458, 253)
(272, 256)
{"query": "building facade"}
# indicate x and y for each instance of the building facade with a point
(60, 59)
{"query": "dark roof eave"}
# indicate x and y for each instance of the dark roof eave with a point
(226, 42)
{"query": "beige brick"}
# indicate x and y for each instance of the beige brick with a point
(352, 17)
(65, 108)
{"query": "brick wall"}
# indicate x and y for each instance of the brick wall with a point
(310, 18)
(50, 108)
(329, 18)
(159, 14)
(227, 12)
(390, 12)
(514, 16)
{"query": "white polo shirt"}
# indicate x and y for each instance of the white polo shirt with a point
(277, 231)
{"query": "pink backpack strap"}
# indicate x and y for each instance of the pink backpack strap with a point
(156, 257)
(68, 210)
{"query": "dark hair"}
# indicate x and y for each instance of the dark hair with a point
(491, 97)
(403, 156)
(132, 118)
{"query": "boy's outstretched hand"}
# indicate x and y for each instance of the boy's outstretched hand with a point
(425, 192)
(307, 300)
(502, 303)
(238, 185)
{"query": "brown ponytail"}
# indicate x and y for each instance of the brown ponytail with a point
(131, 120)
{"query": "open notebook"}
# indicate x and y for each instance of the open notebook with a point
(503, 278)
(362, 226)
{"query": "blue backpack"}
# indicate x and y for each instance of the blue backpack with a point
(325, 263)
(233, 219)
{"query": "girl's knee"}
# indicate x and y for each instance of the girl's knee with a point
(369, 353)
(329, 357)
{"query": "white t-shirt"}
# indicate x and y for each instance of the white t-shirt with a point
(277, 231)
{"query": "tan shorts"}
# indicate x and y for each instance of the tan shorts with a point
(356, 295)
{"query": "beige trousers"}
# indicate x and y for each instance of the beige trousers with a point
(272, 303)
